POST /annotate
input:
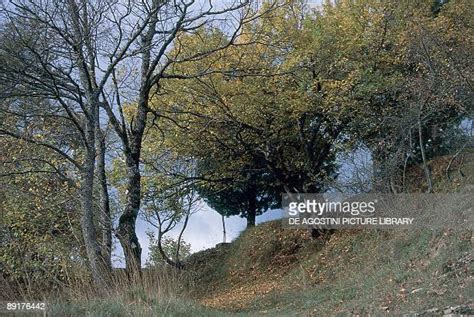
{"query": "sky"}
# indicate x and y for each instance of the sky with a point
(204, 231)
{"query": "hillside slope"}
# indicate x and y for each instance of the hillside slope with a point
(283, 272)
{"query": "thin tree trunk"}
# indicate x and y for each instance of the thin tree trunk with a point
(224, 238)
(180, 236)
(404, 176)
(87, 78)
(379, 171)
(252, 202)
(407, 157)
(423, 156)
(106, 217)
(177, 264)
(126, 228)
(453, 159)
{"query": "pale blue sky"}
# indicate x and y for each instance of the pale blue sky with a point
(204, 231)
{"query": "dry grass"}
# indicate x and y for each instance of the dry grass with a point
(157, 292)
(281, 272)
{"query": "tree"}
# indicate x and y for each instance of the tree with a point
(386, 77)
(84, 63)
(169, 247)
(258, 108)
(169, 200)
(40, 249)
(249, 196)
(155, 61)
(44, 49)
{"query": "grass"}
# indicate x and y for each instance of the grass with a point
(282, 272)
(159, 292)
(112, 308)
(270, 270)
(380, 273)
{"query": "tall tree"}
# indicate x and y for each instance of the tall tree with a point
(385, 77)
(258, 108)
(48, 54)
(88, 58)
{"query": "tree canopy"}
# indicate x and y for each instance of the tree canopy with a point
(115, 111)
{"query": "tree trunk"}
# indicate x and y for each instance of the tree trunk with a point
(380, 177)
(166, 257)
(106, 217)
(87, 79)
(87, 219)
(252, 202)
(224, 238)
(423, 156)
(252, 211)
(251, 219)
(180, 236)
(126, 228)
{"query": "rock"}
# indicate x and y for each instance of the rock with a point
(459, 309)
(449, 310)
(416, 290)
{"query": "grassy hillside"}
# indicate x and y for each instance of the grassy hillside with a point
(269, 270)
(281, 271)
(278, 271)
